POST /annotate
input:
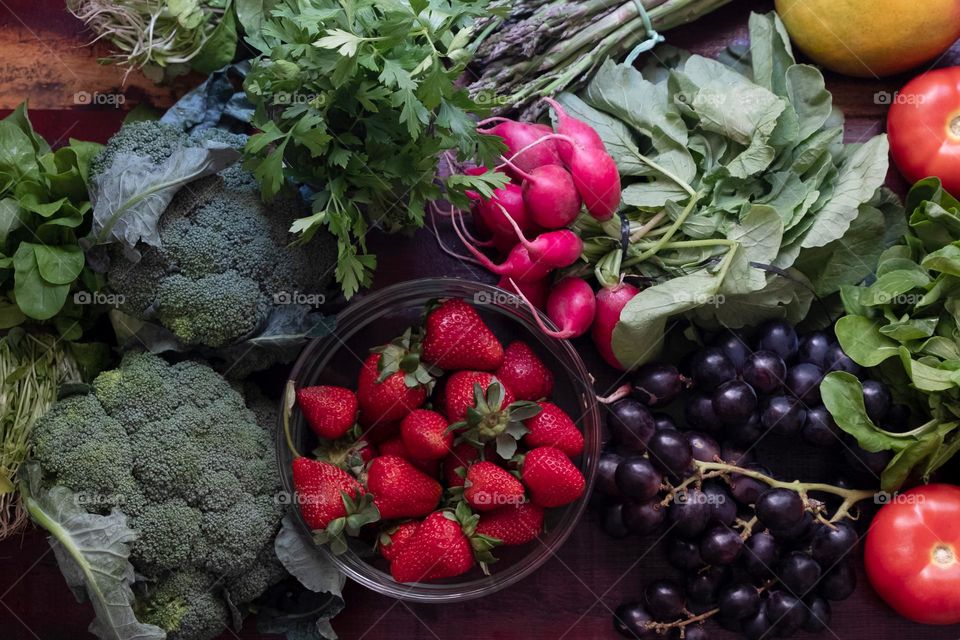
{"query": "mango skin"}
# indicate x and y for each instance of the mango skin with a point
(871, 38)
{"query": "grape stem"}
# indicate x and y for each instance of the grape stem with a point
(746, 527)
(850, 496)
(663, 627)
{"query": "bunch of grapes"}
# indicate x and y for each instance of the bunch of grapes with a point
(761, 556)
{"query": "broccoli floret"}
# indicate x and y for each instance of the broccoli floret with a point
(226, 261)
(157, 141)
(186, 460)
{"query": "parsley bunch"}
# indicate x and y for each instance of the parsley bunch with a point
(356, 99)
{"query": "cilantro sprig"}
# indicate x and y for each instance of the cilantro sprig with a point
(356, 99)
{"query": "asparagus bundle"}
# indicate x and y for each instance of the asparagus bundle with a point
(547, 46)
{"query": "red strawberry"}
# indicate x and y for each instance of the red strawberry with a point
(330, 411)
(459, 395)
(445, 544)
(400, 490)
(553, 428)
(524, 373)
(396, 447)
(325, 494)
(513, 524)
(394, 538)
(456, 337)
(489, 487)
(388, 399)
(463, 454)
(425, 434)
(552, 479)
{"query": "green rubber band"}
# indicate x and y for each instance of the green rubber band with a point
(653, 37)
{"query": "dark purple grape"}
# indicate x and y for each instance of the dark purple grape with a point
(897, 419)
(745, 489)
(711, 368)
(704, 585)
(876, 400)
(757, 626)
(866, 462)
(765, 371)
(663, 422)
(703, 447)
(738, 601)
(630, 620)
(631, 424)
(831, 544)
(837, 360)
(720, 545)
(799, 532)
(803, 382)
(760, 553)
(786, 612)
(779, 337)
(819, 429)
(664, 600)
(784, 415)
(818, 618)
(643, 517)
(637, 479)
(734, 347)
(723, 509)
(734, 401)
(670, 452)
(699, 413)
(814, 348)
(798, 572)
(606, 473)
(696, 632)
(840, 582)
(746, 433)
(689, 513)
(656, 385)
(613, 524)
(780, 508)
(735, 455)
(684, 554)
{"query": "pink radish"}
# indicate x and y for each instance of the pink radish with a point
(534, 291)
(571, 306)
(550, 195)
(610, 303)
(519, 264)
(507, 199)
(576, 129)
(517, 136)
(559, 248)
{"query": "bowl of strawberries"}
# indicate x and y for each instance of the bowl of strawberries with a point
(437, 444)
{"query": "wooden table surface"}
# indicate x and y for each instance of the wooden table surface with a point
(572, 596)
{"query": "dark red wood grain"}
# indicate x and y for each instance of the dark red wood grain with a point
(572, 596)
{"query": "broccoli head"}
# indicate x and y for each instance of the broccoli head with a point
(175, 448)
(227, 267)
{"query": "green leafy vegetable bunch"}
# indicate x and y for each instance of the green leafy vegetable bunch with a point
(357, 100)
(906, 323)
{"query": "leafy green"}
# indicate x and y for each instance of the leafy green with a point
(742, 202)
(44, 209)
(357, 100)
(906, 319)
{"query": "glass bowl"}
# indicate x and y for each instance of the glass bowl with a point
(382, 316)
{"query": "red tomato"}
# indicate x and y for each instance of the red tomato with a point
(924, 128)
(912, 554)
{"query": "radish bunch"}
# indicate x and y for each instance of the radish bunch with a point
(555, 175)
